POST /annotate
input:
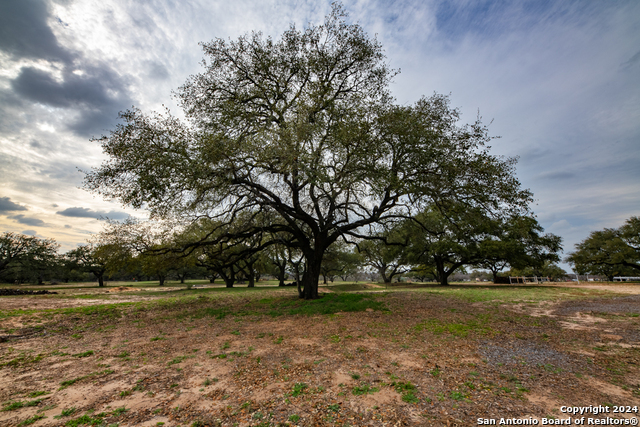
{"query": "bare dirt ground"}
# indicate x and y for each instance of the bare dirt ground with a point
(414, 357)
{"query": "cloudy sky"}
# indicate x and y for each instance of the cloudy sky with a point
(560, 80)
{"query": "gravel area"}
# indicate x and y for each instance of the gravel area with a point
(619, 305)
(521, 353)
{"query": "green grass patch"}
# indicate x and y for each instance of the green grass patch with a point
(66, 412)
(23, 359)
(457, 395)
(37, 393)
(461, 330)
(407, 390)
(328, 304)
(298, 389)
(32, 420)
(86, 419)
(364, 389)
(179, 359)
(513, 294)
(85, 354)
(12, 406)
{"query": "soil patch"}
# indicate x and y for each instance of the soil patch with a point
(416, 358)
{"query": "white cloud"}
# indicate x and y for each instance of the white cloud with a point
(561, 80)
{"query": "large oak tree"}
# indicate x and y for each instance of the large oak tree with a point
(302, 129)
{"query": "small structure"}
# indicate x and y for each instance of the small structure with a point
(514, 280)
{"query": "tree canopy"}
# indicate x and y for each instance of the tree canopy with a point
(302, 130)
(609, 252)
(24, 256)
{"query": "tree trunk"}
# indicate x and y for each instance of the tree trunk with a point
(228, 279)
(101, 280)
(382, 272)
(443, 277)
(495, 275)
(300, 288)
(281, 273)
(282, 267)
(161, 280)
(312, 276)
(252, 279)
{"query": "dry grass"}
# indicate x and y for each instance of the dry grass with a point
(423, 356)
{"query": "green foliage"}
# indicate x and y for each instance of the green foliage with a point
(179, 359)
(24, 359)
(295, 142)
(12, 406)
(298, 389)
(364, 389)
(410, 397)
(328, 304)
(386, 254)
(119, 411)
(217, 313)
(407, 390)
(26, 258)
(29, 421)
(518, 242)
(37, 393)
(610, 252)
(66, 413)
(457, 395)
(87, 420)
(85, 354)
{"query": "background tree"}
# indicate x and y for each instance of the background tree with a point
(220, 249)
(547, 269)
(439, 243)
(609, 252)
(302, 129)
(276, 256)
(338, 260)
(26, 257)
(386, 254)
(517, 242)
(629, 233)
(90, 258)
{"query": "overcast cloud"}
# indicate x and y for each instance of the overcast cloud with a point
(559, 79)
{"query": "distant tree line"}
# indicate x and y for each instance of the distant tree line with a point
(427, 248)
(461, 246)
